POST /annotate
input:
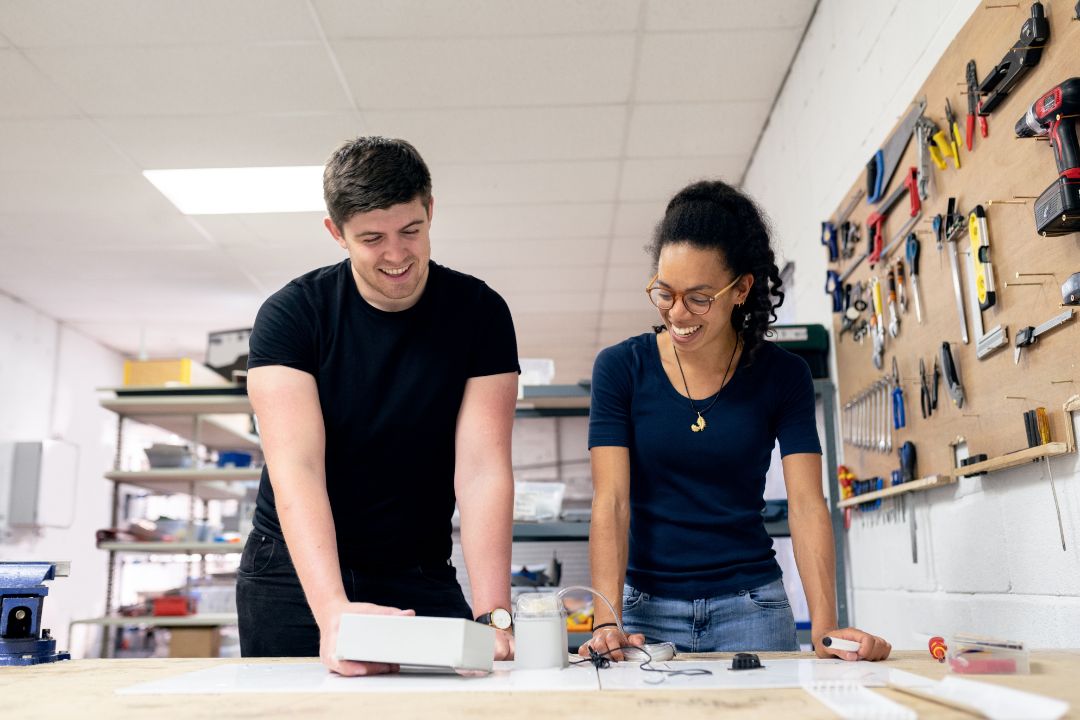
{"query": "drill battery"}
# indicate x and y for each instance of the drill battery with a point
(1057, 211)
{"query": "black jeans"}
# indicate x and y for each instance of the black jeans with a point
(274, 617)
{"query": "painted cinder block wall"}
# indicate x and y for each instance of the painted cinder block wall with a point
(990, 560)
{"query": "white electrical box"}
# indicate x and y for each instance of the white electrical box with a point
(37, 483)
(417, 641)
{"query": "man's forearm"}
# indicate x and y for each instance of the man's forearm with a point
(487, 510)
(812, 542)
(308, 524)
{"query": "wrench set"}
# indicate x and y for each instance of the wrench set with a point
(868, 418)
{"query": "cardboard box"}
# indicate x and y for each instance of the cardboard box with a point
(166, 373)
(194, 642)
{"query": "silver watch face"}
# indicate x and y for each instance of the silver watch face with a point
(500, 619)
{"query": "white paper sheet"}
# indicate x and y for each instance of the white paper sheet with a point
(774, 674)
(314, 678)
(993, 701)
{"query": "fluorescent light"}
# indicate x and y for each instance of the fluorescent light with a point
(218, 191)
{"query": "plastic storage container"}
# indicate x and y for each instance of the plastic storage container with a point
(973, 655)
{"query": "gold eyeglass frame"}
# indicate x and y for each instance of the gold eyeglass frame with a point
(676, 296)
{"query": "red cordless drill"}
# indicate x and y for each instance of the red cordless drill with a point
(1057, 211)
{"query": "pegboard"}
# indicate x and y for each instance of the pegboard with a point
(1000, 173)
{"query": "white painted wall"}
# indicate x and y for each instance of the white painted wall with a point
(989, 556)
(47, 378)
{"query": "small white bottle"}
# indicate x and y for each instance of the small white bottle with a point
(540, 640)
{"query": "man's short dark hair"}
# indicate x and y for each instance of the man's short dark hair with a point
(373, 173)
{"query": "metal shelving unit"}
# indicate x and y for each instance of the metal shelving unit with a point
(214, 418)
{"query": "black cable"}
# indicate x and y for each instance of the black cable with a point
(601, 661)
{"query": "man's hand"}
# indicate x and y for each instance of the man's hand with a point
(871, 647)
(504, 645)
(328, 630)
(610, 639)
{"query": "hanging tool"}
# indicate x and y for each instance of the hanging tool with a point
(901, 286)
(974, 106)
(952, 375)
(924, 391)
(875, 225)
(908, 473)
(1024, 55)
(935, 385)
(925, 130)
(1070, 290)
(980, 257)
(911, 253)
(828, 239)
(950, 231)
(877, 323)
(1029, 335)
(876, 220)
(955, 138)
(1057, 209)
(880, 169)
(898, 416)
(1042, 422)
(834, 289)
(894, 317)
(981, 280)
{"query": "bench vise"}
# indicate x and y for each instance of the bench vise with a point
(22, 595)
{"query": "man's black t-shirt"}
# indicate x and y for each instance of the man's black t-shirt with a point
(390, 385)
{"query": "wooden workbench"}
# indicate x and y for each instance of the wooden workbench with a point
(85, 689)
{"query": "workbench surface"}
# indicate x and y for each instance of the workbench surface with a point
(86, 689)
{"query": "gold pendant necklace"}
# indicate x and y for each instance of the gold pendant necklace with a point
(700, 423)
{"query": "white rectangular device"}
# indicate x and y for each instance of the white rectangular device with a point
(422, 641)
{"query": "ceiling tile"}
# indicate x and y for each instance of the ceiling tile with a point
(517, 222)
(585, 302)
(487, 72)
(109, 226)
(231, 141)
(502, 135)
(629, 277)
(679, 130)
(269, 231)
(193, 80)
(628, 300)
(568, 279)
(661, 178)
(79, 192)
(474, 18)
(697, 15)
(714, 67)
(638, 219)
(26, 92)
(63, 144)
(515, 183)
(632, 251)
(30, 23)
(476, 256)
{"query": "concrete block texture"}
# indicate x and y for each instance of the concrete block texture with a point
(909, 619)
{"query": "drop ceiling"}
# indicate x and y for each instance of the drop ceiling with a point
(555, 132)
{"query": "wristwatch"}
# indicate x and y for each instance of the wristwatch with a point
(498, 618)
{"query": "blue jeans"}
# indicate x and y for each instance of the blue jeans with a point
(752, 620)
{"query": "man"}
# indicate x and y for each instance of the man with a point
(384, 387)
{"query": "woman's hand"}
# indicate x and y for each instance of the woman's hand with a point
(871, 647)
(610, 639)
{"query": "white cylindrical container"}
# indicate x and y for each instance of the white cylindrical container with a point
(540, 640)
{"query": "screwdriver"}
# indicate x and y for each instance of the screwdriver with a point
(1043, 424)
(911, 251)
(901, 287)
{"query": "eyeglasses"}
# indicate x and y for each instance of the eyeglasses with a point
(696, 303)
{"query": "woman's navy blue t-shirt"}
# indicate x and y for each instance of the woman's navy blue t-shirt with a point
(696, 498)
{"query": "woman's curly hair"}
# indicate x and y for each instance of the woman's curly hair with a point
(713, 215)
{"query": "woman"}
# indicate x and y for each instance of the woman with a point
(682, 426)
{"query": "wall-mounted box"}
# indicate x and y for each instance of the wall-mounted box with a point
(37, 483)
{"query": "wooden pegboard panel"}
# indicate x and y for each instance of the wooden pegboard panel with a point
(1000, 167)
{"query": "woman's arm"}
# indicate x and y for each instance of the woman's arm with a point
(608, 545)
(812, 541)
